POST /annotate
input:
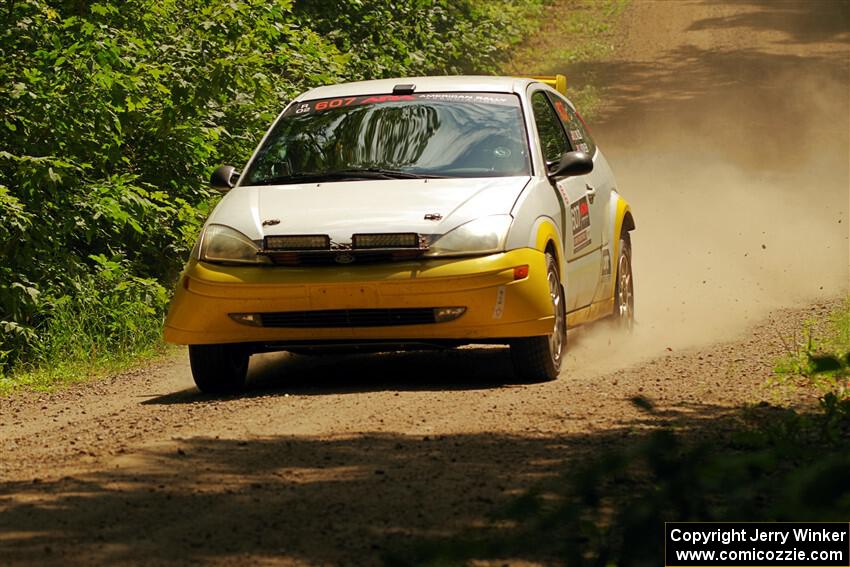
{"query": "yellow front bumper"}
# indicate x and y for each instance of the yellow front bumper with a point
(497, 305)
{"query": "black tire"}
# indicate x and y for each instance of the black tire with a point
(219, 369)
(624, 289)
(538, 359)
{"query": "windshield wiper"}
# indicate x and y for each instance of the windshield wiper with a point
(382, 173)
(353, 173)
(291, 178)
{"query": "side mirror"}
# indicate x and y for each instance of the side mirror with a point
(571, 163)
(224, 178)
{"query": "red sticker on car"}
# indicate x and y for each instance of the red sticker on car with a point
(322, 105)
(562, 111)
(580, 216)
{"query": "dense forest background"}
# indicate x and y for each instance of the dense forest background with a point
(114, 113)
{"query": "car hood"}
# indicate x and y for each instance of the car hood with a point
(340, 209)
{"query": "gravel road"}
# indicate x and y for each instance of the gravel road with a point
(727, 126)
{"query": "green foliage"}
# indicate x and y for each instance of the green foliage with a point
(382, 39)
(114, 114)
(581, 31)
(111, 317)
(824, 360)
(110, 311)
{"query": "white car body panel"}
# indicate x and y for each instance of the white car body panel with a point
(341, 209)
(467, 83)
(582, 268)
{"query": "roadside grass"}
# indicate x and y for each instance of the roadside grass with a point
(55, 376)
(756, 463)
(820, 356)
(572, 31)
(111, 322)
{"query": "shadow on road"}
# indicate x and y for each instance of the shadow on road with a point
(370, 499)
(804, 21)
(281, 374)
(753, 102)
(350, 500)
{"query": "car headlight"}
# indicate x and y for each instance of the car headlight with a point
(221, 243)
(480, 236)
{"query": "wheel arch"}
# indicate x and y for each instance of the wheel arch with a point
(545, 238)
(623, 221)
(550, 248)
(628, 223)
(622, 216)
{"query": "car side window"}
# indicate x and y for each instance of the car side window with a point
(553, 140)
(579, 135)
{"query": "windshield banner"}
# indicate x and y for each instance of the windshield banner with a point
(321, 105)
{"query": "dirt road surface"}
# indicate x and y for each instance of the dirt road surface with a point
(727, 124)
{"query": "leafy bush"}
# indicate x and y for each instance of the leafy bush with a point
(110, 311)
(114, 114)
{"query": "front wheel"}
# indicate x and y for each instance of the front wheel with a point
(624, 291)
(219, 369)
(538, 359)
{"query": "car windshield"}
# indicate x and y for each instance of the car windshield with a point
(395, 136)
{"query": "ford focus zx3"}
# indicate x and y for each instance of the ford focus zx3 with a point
(411, 213)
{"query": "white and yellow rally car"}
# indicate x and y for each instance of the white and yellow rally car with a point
(409, 213)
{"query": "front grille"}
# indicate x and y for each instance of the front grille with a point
(337, 257)
(349, 318)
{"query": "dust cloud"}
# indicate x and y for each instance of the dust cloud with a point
(737, 172)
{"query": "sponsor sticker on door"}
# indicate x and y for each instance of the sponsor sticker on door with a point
(580, 216)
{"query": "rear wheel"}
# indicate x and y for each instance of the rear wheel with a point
(219, 369)
(624, 291)
(538, 359)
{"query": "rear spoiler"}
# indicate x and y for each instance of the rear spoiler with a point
(557, 82)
